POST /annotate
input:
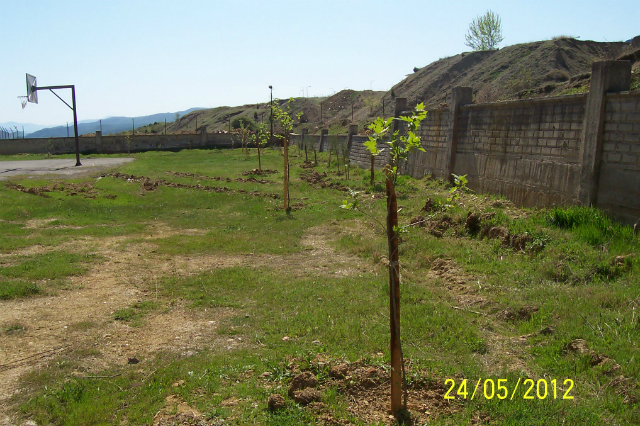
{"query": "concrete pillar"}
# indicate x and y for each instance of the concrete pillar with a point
(401, 106)
(353, 130)
(606, 77)
(98, 141)
(323, 133)
(459, 96)
(203, 136)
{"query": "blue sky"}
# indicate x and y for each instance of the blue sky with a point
(132, 58)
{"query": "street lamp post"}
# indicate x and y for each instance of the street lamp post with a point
(271, 117)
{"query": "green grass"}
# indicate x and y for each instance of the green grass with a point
(34, 274)
(135, 313)
(14, 328)
(578, 271)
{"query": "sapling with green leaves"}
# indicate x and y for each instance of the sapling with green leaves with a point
(459, 185)
(399, 145)
(260, 138)
(243, 134)
(282, 115)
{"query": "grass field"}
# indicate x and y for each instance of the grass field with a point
(176, 289)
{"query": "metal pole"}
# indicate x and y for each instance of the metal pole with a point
(75, 125)
(67, 129)
(271, 117)
(22, 132)
(100, 126)
(165, 126)
(133, 126)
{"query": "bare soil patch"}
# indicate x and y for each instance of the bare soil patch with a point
(151, 184)
(217, 178)
(82, 319)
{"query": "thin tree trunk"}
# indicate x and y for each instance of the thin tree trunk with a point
(373, 160)
(286, 173)
(394, 297)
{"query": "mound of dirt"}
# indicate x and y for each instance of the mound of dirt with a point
(217, 178)
(151, 184)
(258, 172)
(84, 189)
(524, 313)
(176, 412)
(368, 394)
(506, 73)
(321, 180)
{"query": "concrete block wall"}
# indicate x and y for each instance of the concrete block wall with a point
(619, 182)
(580, 149)
(359, 155)
(528, 151)
(433, 137)
(47, 145)
(117, 144)
(320, 142)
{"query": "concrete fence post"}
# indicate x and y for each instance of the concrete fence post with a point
(98, 141)
(606, 77)
(203, 136)
(401, 106)
(353, 130)
(323, 133)
(459, 96)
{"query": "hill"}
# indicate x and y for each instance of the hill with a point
(334, 112)
(543, 68)
(524, 70)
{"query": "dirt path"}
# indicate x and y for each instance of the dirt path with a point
(81, 319)
(62, 168)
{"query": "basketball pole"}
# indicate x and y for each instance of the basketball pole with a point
(73, 108)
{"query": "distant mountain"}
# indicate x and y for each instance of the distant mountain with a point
(109, 125)
(28, 127)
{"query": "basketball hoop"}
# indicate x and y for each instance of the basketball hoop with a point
(23, 101)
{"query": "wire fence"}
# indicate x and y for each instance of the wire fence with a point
(10, 133)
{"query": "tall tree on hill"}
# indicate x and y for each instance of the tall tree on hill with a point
(485, 32)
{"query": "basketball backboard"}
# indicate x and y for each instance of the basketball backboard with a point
(32, 95)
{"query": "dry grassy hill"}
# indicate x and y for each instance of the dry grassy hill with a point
(544, 68)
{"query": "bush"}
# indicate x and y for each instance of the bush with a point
(557, 75)
(247, 122)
